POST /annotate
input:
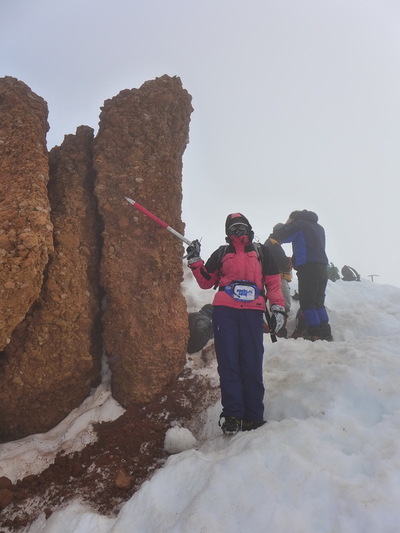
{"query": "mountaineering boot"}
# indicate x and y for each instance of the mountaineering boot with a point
(313, 333)
(319, 333)
(255, 424)
(326, 332)
(231, 424)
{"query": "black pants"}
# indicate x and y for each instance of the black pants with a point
(313, 278)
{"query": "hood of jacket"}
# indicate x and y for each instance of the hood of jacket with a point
(304, 215)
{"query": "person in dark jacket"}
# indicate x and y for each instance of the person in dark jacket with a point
(245, 280)
(310, 261)
(282, 261)
(200, 328)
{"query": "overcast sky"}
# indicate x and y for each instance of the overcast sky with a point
(296, 104)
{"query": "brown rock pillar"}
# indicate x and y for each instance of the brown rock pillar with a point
(53, 358)
(25, 226)
(138, 153)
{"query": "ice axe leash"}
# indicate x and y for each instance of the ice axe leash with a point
(157, 220)
(268, 318)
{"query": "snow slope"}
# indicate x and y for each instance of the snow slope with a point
(328, 460)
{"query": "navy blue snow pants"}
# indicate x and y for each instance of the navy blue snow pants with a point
(238, 337)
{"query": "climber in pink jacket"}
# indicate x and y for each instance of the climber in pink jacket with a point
(246, 276)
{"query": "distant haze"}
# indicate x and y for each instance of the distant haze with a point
(296, 104)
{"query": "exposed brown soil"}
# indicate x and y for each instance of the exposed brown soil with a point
(108, 472)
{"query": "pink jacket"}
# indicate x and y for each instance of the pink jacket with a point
(240, 263)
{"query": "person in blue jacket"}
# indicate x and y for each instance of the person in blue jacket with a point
(310, 262)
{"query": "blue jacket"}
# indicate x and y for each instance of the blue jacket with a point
(307, 238)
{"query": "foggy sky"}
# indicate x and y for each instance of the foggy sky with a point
(296, 104)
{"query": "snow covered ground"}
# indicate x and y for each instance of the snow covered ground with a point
(328, 461)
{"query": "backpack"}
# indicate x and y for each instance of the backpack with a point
(350, 274)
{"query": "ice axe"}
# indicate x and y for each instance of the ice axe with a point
(158, 220)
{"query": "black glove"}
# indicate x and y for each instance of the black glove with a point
(193, 252)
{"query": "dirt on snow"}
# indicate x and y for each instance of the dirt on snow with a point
(109, 471)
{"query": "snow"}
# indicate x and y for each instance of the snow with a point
(178, 439)
(33, 454)
(327, 461)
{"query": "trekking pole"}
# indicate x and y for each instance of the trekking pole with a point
(158, 220)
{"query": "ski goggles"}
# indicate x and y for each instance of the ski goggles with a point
(238, 229)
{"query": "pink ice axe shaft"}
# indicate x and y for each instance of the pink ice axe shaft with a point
(157, 220)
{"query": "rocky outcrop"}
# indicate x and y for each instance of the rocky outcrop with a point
(25, 226)
(108, 260)
(138, 153)
(53, 358)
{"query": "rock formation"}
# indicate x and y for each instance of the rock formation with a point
(52, 299)
(138, 153)
(53, 358)
(25, 227)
